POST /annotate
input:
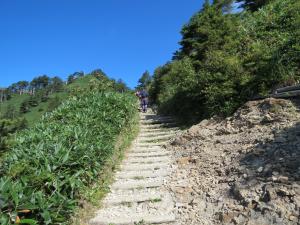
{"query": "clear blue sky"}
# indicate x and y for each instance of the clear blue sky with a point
(58, 37)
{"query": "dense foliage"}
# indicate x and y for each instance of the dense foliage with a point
(8, 127)
(226, 59)
(28, 101)
(50, 164)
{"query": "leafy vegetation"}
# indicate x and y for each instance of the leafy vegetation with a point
(8, 127)
(226, 59)
(49, 165)
(28, 101)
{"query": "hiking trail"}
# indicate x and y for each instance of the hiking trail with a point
(138, 195)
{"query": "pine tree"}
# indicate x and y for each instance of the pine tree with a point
(145, 80)
(24, 108)
(253, 5)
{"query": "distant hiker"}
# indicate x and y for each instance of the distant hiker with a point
(138, 94)
(144, 100)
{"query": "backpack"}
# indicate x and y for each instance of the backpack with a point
(144, 94)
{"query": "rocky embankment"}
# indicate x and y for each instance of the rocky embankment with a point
(241, 170)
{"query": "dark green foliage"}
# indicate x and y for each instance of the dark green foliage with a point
(44, 97)
(74, 76)
(144, 81)
(120, 86)
(53, 103)
(33, 101)
(24, 108)
(50, 164)
(71, 79)
(11, 112)
(8, 127)
(227, 59)
(253, 5)
(40, 82)
(99, 74)
(56, 84)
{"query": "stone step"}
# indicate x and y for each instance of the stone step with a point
(156, 121)
(142, 174)
(154, 138)
(149, 154)
(142, 218)
(139, 184)
(131, 196)
(130, 214)
(147, 145)
(154, 130)
(163, 125)
(148, 160)
(156, 134)
(155, 117)
(148, 149)
(141, 167)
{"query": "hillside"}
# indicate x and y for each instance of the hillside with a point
(240, 170)
(54, 99)
(68, 155)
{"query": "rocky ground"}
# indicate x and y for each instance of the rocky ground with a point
(241, 170)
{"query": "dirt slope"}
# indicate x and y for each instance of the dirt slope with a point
(241, 170)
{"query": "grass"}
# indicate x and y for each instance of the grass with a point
(142, 222)
(155, 200)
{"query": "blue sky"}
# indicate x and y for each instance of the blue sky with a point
(58, 37)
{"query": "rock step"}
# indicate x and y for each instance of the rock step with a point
(156, 117)
(137, 196)
(149, 150)
(140, 167)
(156, 121)
(148, 154)
(166, 125)
(130, 214)
(139, 184)
(155, 138)
(148, 159)
(157, 134)
(145, 145)
(142, 174)
(153, 130)
(142, 218)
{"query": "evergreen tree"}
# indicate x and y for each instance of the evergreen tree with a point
(11, 112)
(53, 103)
(253, 5)
(120, 86)
(24, 108)
(56, 84)
(71, 79)
(33, 101)
(145, 80)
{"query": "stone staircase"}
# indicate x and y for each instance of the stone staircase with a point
(138, 195)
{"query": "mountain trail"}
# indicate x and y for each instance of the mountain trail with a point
(139, 195)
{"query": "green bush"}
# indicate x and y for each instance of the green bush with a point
(7, 128)
(228, 59)
(50, 164)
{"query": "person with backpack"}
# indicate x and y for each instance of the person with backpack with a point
(144, 100)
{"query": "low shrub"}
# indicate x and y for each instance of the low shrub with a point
(48, 167)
